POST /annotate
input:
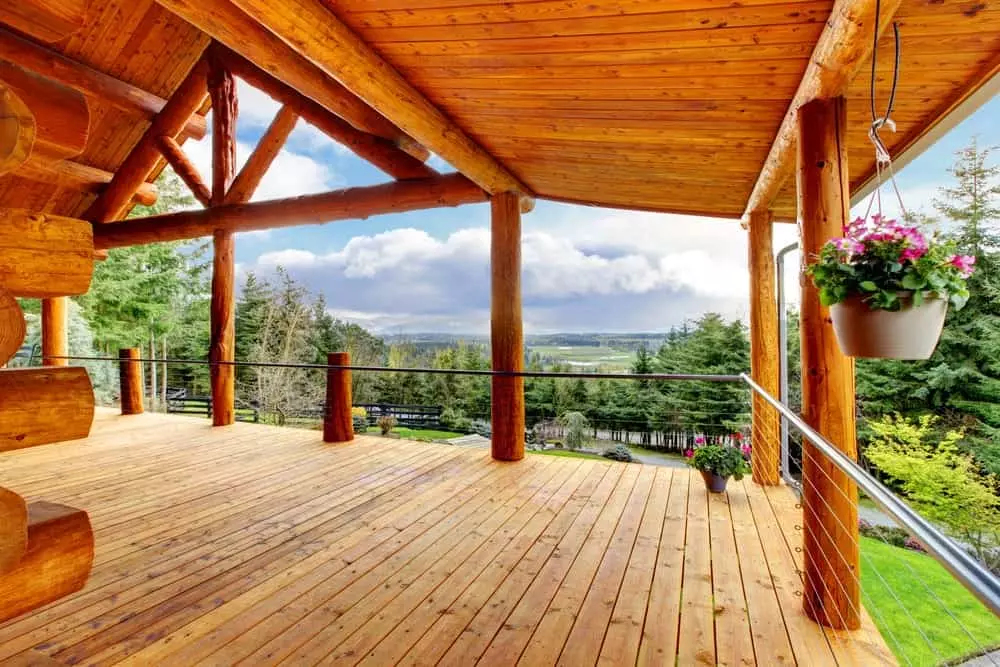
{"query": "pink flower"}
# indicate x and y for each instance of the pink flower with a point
(849, 246)
(688, 453)
(745, 449)
(912, 254)
(964, 263)
(699, 440)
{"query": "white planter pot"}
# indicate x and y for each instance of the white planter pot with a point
(909, 333)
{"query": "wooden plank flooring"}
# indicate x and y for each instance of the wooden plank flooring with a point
(260, 545)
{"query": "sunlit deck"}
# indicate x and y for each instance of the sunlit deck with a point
(260, 544)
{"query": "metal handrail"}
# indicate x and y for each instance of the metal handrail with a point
(431, 371)
(970, 572)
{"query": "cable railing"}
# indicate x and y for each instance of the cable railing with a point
(926, 634)
(880, 570)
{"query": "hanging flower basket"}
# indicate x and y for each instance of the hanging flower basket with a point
(912, 332)
(888, 287)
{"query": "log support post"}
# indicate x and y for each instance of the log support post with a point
(55, 338)
(830, 499)
(222, 89)
(130, 380)
(506, 334)
(337, 423)
(765, 431)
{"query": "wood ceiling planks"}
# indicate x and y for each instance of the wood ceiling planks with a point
(625, 102)
(671, 102)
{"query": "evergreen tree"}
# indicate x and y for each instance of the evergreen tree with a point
(961, 381)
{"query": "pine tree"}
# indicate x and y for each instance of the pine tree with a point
(961, 381)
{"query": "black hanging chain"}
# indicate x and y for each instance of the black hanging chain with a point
(878, 122)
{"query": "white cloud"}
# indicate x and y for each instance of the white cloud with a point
(623, 271)
(290, 174)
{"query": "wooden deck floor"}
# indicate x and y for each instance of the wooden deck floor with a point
(259, 545)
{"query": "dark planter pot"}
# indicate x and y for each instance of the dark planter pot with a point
(714, 483)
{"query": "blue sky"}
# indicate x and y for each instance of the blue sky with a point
(585, 269)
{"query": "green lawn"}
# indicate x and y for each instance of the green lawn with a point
(418, 433)
(900, 632)
(566, 454)
(589, 357)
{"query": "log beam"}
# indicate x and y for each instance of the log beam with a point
(76, 176)
(222, 89)
(61, 115)
(43, 405)
(313, 31)
(270, 144)
(13, 529)
(766, 433)
(91, 82)
(17, 131)
(55, 334)
(347, 204)
(46, 20)
(506, 335)
(13, 328)
(57, 559)
(380, 152)
(139, 164)
(225, 23)
(183, 167)
(829, 499)
(844, 45)
(44, 255)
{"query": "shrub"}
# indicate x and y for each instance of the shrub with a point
(359, 419)
(618, 453)
(454, 420)
(482, 428)
(386, 424)
(938, 480)
(576, 429)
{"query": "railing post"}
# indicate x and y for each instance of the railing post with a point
(130, 379)
(830, 498)
(55, 337)
(337, 423)
(765, 432)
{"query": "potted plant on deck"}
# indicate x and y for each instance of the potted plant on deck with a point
(718, 462)
(888, 287)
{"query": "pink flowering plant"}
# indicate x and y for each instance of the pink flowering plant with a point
(890, 265)
(722, 459)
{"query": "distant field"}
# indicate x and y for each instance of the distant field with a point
(586, 357)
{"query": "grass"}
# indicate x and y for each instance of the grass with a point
(657, 454)
(419, 433)
(586, 355)
(565, 453)
(890, 580)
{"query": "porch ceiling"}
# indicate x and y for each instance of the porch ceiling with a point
(648, 104)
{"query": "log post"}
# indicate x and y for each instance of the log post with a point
(764, 349)
(506, 335)
(130, 380)
(222, 89)
(337, 423)
(830, 499)
(55, 338)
